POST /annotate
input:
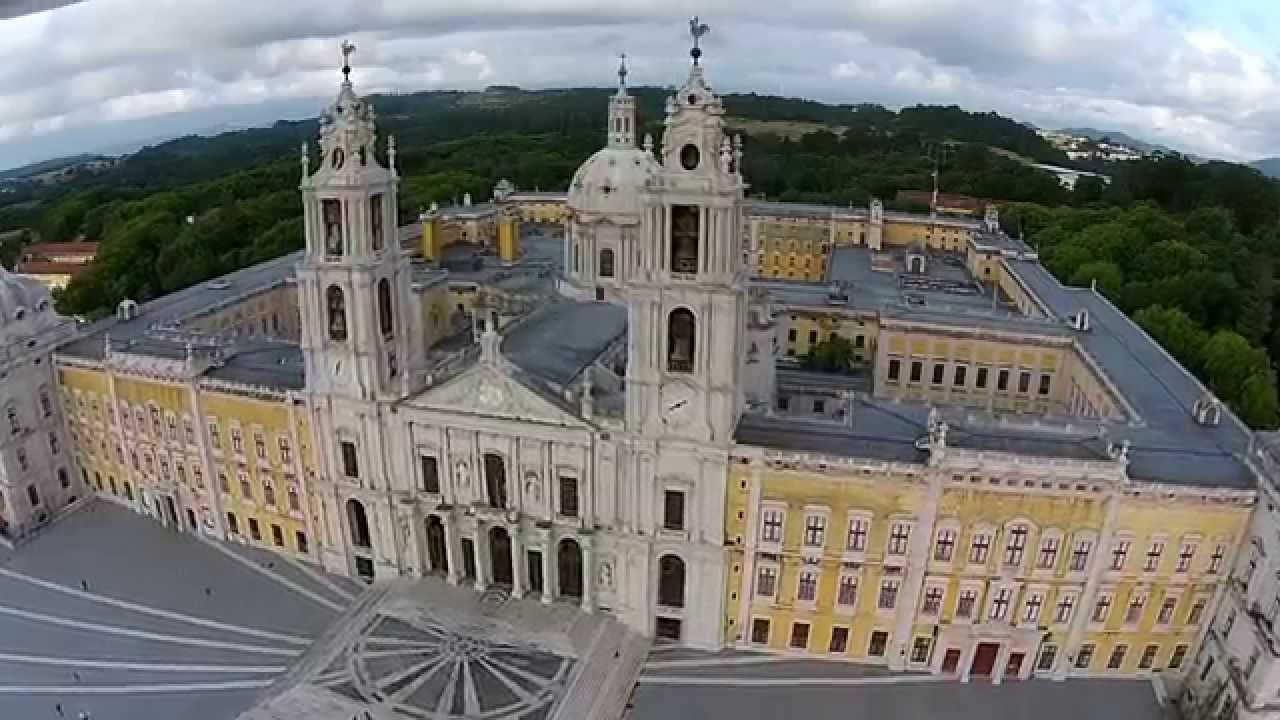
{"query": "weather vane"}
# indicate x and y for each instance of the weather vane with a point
(347, 49)
(697, 30)
(622, 70)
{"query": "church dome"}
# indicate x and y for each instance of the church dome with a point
(610, 182)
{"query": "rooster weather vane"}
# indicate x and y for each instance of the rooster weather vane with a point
(697, 30)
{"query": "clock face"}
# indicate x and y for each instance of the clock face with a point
(677, 404)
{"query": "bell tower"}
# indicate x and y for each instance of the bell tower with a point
(687, 304)
(354, 285)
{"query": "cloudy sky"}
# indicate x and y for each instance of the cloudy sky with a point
(1199, 75)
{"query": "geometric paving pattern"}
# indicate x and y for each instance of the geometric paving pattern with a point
(423, 669)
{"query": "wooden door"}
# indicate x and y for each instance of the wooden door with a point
(984, 659)
(951, 660)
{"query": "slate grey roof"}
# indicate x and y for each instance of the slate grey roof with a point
(562, 338)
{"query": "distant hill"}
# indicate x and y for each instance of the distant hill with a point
(1267, 166)
(45, 166)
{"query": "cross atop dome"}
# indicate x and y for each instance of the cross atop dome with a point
(622, 73)
(347, 49)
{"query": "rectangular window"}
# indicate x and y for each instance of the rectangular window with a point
(815, 530)
(933, 601)
(917, 370)
(807, 586)
(920, 649)
(1119, 553)
(1045, 382)
(1153, 557)
(254, 531)
(1085, 656)
(1101, 609)
(260, 446)
(1065, 605)
(958, 378)
(964, 605)
(839, 640)
(848, 592)
(791, 335)
(799, 636)
(1017, 544)
(237, 441)
(286, 452)
(1024, 382)
(895, 369)
(939, 369)
(945, 546)
(1215, 563)
(673, 510)
(1166, 611)
(819, 406)
(1148, 657)
(277, 535)
(215, 438)
(1134, 612)
(350, 462)
(980, 548)
(879, 641)
(1080, 555)
(300, 538)
(1185, 556)
(1197, 610)
(233, 525)
(899, 538)
(430, 474)
(1117, 657)
(1031, 613)
(888, 595)
(767, 581)
(1000, 604)
(981, 380)
(1179, 654)
(760, 631)
(1048, 553)
(1048, 654)
(858, 534)
(246, 489)
(771, 528)
(568, 496)
(1002, 380)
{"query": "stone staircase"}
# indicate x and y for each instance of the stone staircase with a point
(606, 672)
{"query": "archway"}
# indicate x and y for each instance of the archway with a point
(671, 581)
(358, 521)
(500, 555)
(386, 321)
(681, 331)
(495, 479)
(569, 559)
(337, 305)
(437, 554)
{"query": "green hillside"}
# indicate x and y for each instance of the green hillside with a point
(1189, 249)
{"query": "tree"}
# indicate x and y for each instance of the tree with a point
(1176, 332)
(1106, 275)
(833, 355)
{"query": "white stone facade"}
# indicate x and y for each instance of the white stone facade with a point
(38, 473)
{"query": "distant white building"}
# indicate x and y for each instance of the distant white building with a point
(1068, 177)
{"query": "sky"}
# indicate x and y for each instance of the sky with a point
(1201, 76)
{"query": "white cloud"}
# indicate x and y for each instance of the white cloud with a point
(1132, 65)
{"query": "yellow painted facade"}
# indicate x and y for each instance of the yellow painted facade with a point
(823, 562)
(802, 330)
(432, 247)
(509, 238)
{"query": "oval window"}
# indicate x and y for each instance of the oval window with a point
(689, 157)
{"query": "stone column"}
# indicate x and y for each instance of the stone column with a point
(588, 575)
(913, 580)
(1098, 564)
(452, 549)
(548, 569)
(1002, 661)
(517, 563)
(484, 557)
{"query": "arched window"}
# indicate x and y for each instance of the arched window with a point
(385, 321)
(495, 479)
(332, 211)
(685, 223)
(671, 581)
(337, 314)
(359, 523)
(375, 220)
(606, 262)
(681, 328)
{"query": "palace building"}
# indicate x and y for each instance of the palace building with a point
(1013, 479)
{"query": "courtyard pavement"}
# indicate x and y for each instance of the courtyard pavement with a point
(683, 685)
(110, 614)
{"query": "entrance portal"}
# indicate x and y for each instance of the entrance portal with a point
(500, 553)
(984, 659)
(191, 519)
(1014, 666)
(437, 555)
(535, 570)
(570, 562)
(951, 661)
